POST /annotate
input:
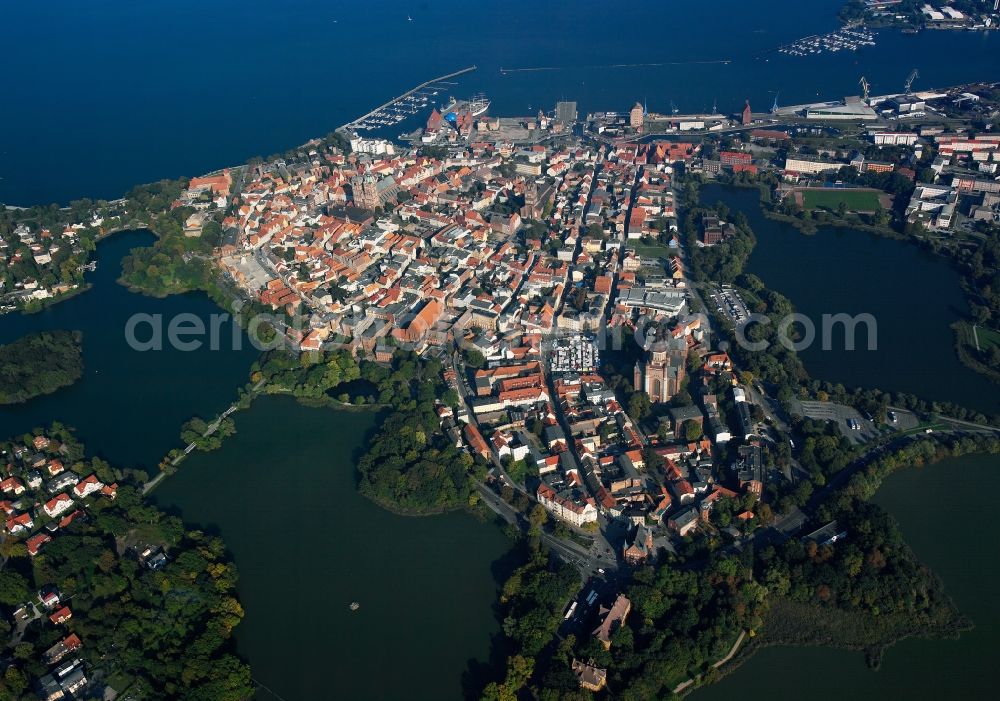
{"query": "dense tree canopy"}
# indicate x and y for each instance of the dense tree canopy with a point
(164, 633)
(39, 363)
(409, 464)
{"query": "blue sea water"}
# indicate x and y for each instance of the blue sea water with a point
(102, 95)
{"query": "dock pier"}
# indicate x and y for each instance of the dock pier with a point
(390, 103)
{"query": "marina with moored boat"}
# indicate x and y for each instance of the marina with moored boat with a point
(841, 40)
(406, 105)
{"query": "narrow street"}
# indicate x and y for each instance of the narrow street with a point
(601, 555)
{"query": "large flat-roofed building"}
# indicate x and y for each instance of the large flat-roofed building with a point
(669, 301)
(966, 184)
(809, 165)
(894, 138)
(566, 112)
(852, 108)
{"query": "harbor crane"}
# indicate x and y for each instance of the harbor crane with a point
(865, 86)
(909, 81)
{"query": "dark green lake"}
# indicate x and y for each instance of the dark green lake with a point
(128, 406)
(953, 536)
(282, 493)
(913, 295)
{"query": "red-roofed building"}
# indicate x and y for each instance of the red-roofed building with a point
(57, 504)
(68, 518)
(476, 441)
(218, 184)
(61, 616)
(731, 158)
(683, 491)
(421, 322)
(767, 135)
(88, 485)
(12, 485)
(35, 542)
(20, 523)
(49, 599)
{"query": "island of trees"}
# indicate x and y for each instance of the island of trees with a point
(38, 364)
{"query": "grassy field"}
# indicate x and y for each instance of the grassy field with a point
(987, 337)
(651, 250)
(965, 346)
(854, 200)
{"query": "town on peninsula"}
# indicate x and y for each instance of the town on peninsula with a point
(554, 318)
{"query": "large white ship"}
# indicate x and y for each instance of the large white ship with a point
(477, 105)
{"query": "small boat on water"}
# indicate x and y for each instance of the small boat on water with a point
(354, 606)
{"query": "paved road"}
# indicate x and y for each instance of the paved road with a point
(788, 524)
(584, 559)
(958, 422)
(587, 560)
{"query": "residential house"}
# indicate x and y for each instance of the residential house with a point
(12, 485)
(57, 505)
(20, 523)
(35, 542)
(87, 486)
(71, 643)
(61, 616)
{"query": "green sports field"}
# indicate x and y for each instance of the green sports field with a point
(651, 250)
(987, 337)
(854, 200)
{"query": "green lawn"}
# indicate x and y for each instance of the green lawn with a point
(651, 250)
(119, 681)
(987, 337)
(854, 200)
